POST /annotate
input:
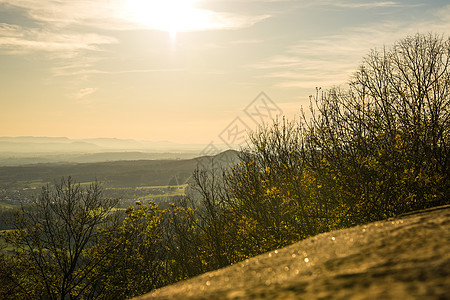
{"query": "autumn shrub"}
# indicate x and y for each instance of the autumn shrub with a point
(372, 151)
(385, 140)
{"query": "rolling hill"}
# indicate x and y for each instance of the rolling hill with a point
(114, 173)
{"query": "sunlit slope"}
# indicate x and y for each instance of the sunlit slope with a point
(403, 258)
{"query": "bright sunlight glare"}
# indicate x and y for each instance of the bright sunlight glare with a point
(168, 15)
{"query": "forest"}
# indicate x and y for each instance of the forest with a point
(376, 149)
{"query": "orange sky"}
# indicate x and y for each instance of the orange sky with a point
(184, 71)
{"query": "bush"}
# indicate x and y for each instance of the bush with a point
(375, 150)
(385, 141)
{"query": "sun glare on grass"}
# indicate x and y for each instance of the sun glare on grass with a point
(171, 16)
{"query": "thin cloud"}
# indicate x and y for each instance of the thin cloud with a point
(63, 13)
(325, 62)
(79, 70)
(85, 69)
(70, 28)
(110, 15)
(15, 39)
(84, 92)
(233, 21)
(359, 4)
(246, 42)
(365, 5)
(331, 60)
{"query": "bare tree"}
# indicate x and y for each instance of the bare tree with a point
(52, 237)
(386, 139)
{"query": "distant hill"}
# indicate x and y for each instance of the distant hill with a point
(16, 159)
(116, 173)
(30, 144)
(45, 147)
(15, 151)
(35, 139)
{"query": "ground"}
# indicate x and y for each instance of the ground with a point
(403, 258)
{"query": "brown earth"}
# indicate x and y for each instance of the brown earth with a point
(407, 257)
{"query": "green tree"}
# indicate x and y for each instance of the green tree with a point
(181, 240)
(8, 288)
(136, 261)
(277, 196)
(209, 194)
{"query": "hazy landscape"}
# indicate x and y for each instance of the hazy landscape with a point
(129, 178)
(146, 144)
(16, 151)
(128, 169)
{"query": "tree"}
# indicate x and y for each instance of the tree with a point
(135, 260)
(52, 238)
(384, 143)
(181, 240)
(267, 197)
(209, 194)
(8, 288)
(375, 150)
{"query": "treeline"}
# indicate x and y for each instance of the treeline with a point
(375, 150)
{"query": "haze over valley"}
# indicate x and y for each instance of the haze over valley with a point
(32, 150)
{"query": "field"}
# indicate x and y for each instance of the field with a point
(6, 205)
(4, 246)
(129, 181)
(112, 174)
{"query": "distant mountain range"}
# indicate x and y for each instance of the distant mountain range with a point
(30, 144)
(15, 151)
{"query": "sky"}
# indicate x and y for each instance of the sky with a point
(185, 71)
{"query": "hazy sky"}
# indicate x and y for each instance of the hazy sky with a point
(184, 71)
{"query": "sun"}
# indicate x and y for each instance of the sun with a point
(167, 15)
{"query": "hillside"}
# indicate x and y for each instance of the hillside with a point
(403, 258)
(114, 173)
